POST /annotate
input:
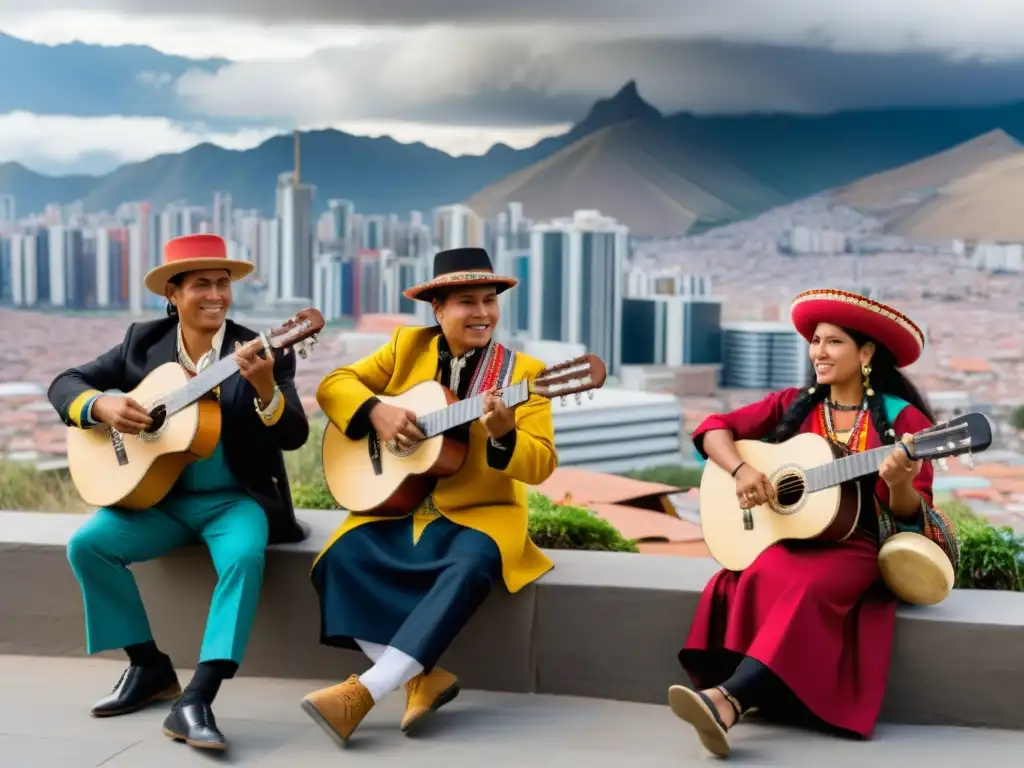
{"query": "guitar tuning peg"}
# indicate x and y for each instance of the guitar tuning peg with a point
(943, 464)
(562, 399)
(968, 460)
(590, 394)
(579, 398)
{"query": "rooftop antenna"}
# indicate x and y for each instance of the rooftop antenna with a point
(297, 156)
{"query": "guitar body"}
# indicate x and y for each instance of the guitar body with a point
(395, 482)
(149, 465)
(735, 538)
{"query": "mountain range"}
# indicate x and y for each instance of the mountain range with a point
(660, 174)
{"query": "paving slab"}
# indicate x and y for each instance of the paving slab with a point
(44, 721)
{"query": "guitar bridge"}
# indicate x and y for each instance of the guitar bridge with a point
(748, 520)
(117, 440)
(374, 445)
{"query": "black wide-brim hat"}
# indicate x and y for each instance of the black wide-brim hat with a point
(460, 267)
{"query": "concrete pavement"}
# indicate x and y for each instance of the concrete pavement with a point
(44, 722)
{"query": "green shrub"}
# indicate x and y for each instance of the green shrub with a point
(561, 526)
(313, 496)
(25, 488)
(552, 526)
(669, 474)
(305, 466)
(990, 557)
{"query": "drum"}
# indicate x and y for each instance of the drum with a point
(916, 569)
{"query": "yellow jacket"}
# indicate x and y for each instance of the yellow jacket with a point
(487, 500)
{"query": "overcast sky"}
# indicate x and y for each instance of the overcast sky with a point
(462, 74)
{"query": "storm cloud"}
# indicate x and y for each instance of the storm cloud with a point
(491, 78)
(527, 62)
(988, 27)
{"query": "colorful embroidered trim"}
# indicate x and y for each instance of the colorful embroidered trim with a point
(832, 294)
(494, 370)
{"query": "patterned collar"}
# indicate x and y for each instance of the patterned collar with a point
(210, 357)
(456, 365)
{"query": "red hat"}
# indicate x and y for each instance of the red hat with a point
(191, 253)
(893, 329)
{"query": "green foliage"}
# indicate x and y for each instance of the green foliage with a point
(561, 526)
(313, 496)
(304, 465)
(1017, 417)
(669, 474)
(25, 488)
(990, 557)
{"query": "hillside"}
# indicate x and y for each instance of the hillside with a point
(637, 172)
(924, 178)
(692, 169)
(983, 205)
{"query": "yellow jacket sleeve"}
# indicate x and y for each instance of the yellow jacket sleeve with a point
(534, 457)
(345, 390)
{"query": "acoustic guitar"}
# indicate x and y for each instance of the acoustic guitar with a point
(816, 497)
(111, 469)
(368, 478)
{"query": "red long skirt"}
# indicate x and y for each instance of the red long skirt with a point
(815, 615)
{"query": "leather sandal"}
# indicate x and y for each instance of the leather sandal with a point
(695, 708)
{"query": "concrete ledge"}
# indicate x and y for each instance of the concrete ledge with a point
(602, 625)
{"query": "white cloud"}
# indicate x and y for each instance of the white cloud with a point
(55, 144)
(49, 142)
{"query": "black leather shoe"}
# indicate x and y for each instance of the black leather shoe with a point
(194, 724)
(139, 687)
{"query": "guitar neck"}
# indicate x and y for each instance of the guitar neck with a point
(199, 385)
(470, 409)
(847, 468)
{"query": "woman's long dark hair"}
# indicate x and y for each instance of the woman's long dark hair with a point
(886, 379)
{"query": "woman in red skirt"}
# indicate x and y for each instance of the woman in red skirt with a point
(806, 631)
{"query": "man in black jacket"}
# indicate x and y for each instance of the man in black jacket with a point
(236, 501)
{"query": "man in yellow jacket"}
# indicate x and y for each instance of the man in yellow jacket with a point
(401, 589)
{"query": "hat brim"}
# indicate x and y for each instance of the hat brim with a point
(858, 313)
(156, 278)
(424, 291)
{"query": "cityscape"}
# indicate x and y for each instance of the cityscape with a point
(700, 319)
(661, 180)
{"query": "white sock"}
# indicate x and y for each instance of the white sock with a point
(389, 673)
(373, 651)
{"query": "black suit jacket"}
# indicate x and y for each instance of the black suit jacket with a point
(251, 449)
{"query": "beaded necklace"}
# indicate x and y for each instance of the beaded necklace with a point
(859, 422)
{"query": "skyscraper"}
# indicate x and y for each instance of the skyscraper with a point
(575, 283)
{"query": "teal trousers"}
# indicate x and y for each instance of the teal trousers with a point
(233, 527)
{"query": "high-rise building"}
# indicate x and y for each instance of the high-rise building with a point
(373, 233)
(763, 355)
(575, 283)
(298, 244)
(340, 212)
(222, 218)
(457, 226)
(6, 278)
(671, 330)
(8, 211)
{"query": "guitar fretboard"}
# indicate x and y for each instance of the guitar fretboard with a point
(470, 409)
(197, 386)
(845, 469)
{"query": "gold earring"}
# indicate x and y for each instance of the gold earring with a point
(811, 390)
(866, 371)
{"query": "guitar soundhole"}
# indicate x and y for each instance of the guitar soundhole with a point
(790, 489)
(159, 416)
(397, 450)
